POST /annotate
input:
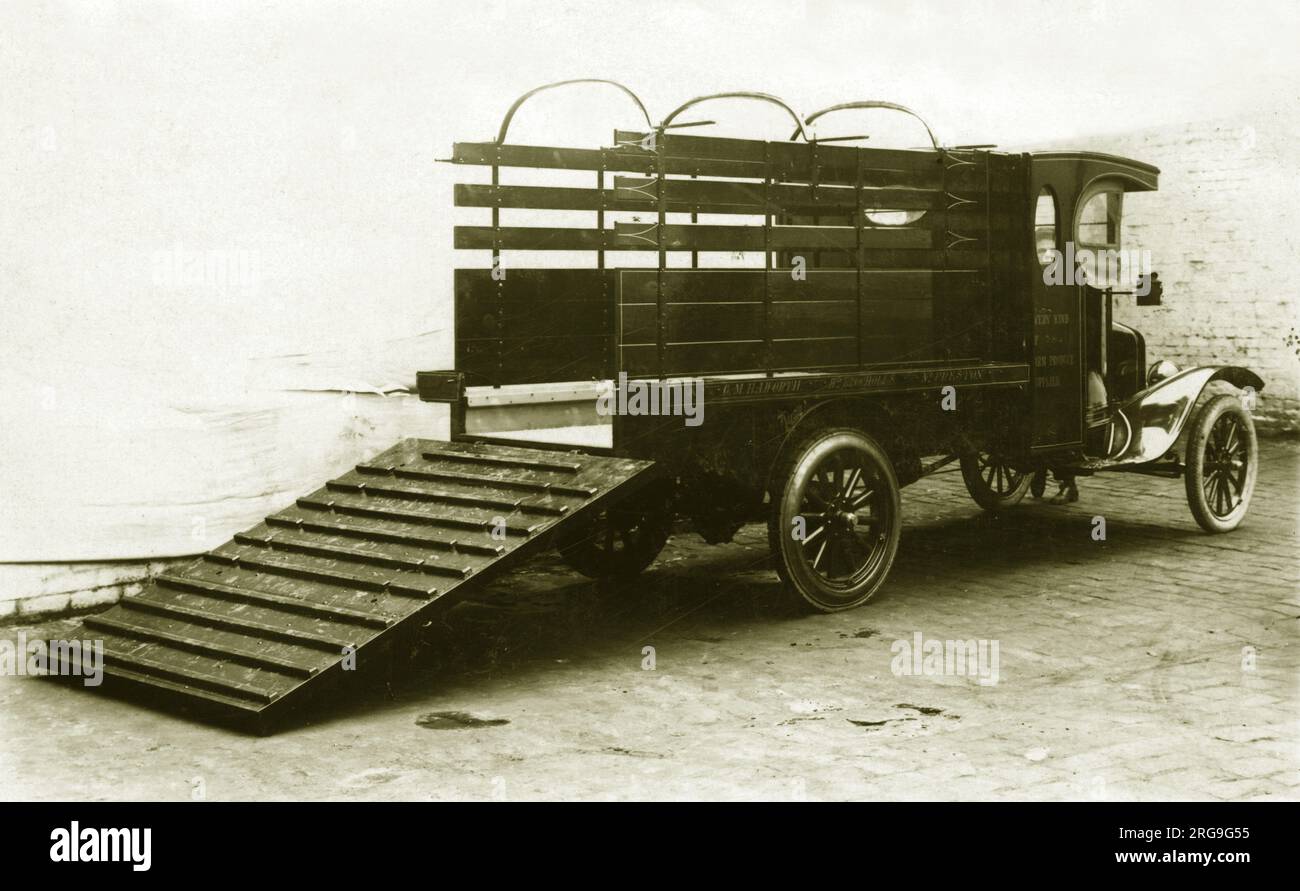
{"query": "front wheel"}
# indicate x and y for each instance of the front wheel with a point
(835, 519)
(1222, 462)
(992, 482)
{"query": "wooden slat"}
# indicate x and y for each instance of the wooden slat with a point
(550, 158)
(797, 161)
(900, 345)
(884, 379)
(301, 605)
(189, 675)
(360, 482)
(532, 360)
(700, 358)
(583, 286)
(499, 460)
(327, 546)
(239, 622)
(342, 493)
(814, 318)
(223, 649)
(638, 194)
(529, 303)
(716, 196)
(741, 356)
(741, 285)
(821, 352)
(376, 508)
(968, 219)
(687, 237)
(621, 160)
(185, 691)
(301, 657)
(536, 238)
(717, 156)
(878, 313)
(324, 570)
(924, 259)
(694, 321)
(758, 238)
(452, 476)
(397, 532)
(741, 321)
(535, 197)
(889, 260)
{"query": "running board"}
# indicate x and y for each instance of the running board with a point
(251, 629)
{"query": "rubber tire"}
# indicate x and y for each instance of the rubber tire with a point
(802, 584)
(578, 548)
(984, 496)
(1038, 484)
(1193, 474)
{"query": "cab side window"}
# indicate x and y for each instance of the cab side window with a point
(1099, 220)
(1097, 237)
(1045, 226)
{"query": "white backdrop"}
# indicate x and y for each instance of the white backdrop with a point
(216, 217)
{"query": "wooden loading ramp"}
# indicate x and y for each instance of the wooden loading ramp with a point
(250, 629)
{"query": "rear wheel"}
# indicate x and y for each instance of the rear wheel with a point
(1222, 462)
(835, 518)
(992, 482)
(1038, 484)
(622, 540)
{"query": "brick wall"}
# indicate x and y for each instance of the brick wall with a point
(1223, 234)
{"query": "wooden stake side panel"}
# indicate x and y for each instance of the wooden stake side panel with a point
(871, 256)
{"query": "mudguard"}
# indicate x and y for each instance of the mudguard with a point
(1146, 426)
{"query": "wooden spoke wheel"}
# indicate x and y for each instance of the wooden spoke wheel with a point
(992, 482)
(835, 518)
(1222, 462)
(621, 541)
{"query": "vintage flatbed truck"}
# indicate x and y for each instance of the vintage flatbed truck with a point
(899, 312)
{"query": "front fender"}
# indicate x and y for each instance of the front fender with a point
(1156, 416)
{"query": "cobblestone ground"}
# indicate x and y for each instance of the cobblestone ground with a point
(1159, 663)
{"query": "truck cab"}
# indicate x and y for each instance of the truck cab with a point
(1083, 362)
